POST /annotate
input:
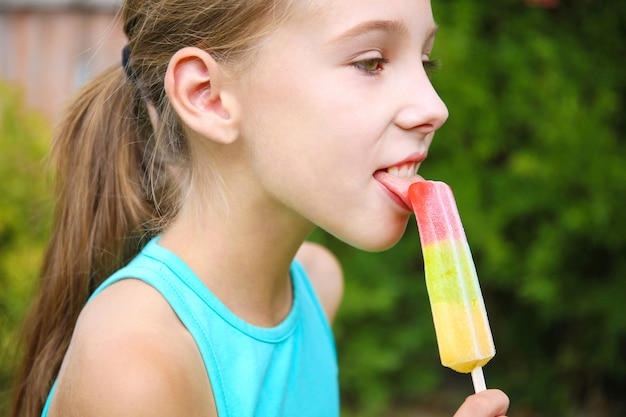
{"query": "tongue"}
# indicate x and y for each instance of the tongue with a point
(398, 186)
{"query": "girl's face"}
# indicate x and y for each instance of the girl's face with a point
(339, 113)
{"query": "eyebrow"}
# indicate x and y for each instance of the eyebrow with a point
(387, 26)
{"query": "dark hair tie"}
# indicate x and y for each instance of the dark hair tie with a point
(126, 64)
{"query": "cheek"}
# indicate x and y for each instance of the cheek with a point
(294, 123)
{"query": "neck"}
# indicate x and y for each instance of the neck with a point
(243, 258)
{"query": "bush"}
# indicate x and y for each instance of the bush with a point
(24, 218)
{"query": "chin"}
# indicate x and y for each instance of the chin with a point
(378, 240)
(378, 246)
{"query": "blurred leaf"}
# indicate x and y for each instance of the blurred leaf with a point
(24, 217)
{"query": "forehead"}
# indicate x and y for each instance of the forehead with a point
(332, 18)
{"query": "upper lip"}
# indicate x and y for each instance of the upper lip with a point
(415, 158)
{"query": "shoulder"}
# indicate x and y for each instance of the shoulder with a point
(325, 274)
(130, 357)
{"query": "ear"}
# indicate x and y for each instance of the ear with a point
(194, 84)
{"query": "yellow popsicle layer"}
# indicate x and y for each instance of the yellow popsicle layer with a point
(460, 349)
(463, 333)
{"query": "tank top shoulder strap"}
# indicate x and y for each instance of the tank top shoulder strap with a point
(164, 271)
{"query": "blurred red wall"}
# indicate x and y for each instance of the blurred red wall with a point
(51, 51)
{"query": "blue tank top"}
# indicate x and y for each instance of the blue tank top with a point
(287, 370)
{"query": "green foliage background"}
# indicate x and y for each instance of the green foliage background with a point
(24, 218)
(534, 152)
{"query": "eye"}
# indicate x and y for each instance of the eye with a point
(371, 66)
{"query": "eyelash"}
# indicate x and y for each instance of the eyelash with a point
(430, 66)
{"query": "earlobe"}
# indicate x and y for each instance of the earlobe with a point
(194, 83)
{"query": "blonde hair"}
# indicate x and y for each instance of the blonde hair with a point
(120, 180)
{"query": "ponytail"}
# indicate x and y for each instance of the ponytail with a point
(103, 156)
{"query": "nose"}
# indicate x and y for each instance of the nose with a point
(422, 108)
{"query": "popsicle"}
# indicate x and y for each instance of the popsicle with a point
(461, 326)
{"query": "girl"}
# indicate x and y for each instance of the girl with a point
(232, 129)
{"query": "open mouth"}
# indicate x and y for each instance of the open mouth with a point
(397, 179)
